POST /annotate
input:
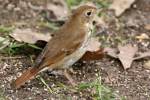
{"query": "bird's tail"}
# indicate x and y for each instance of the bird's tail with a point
(29, 74)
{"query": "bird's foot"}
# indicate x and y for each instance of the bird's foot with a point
(64, 72)
(68, 76)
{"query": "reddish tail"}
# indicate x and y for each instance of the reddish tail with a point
(29, 74)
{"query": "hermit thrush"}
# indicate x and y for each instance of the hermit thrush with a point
(66, 47)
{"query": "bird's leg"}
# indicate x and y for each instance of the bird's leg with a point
(71, 70)
(68, 76)
(64, 72)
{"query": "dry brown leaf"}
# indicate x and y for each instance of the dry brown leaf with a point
(93, 44)
(126, 55)
(55, 9)
(94, 52)
(95, 55)
(142, 55)
(120, 6)
(111, 52)
(58, 8)
(29, 36)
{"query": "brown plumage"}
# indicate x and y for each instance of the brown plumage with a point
(66, 47)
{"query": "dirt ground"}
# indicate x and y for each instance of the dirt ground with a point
(133, 84)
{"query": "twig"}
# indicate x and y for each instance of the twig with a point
(8, 58)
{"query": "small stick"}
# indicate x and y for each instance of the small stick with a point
(7, 58)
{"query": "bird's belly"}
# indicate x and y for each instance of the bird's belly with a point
(70, 60)
(74, 57)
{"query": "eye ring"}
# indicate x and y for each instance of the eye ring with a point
(88, 13)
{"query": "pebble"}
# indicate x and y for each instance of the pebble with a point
(10, 7)
(17, 9)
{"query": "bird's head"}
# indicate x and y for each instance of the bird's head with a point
(84, 14)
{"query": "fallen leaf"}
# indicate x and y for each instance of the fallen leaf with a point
(93, 44)
(120, 6)
(54, 9)
(94, 52)
(93, 55)
(111, 52)
(58, 8)
(29, 36)
(126, 55)
(142, 55)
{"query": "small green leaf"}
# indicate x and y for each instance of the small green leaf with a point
(34, 46)
(43, 81)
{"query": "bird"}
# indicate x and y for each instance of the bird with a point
(66, 47)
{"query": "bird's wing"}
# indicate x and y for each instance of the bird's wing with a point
(59, 47)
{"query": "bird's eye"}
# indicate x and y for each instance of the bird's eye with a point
(88, 13)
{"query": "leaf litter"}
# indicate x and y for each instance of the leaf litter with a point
(94, 52)
(29, 36)
(54, 10)
(120, 6)
(126, 54)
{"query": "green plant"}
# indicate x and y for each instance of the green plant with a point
(71, 3)
(4, 29)
(45, 84)
(101, 92)
(15, 47)
(102, 3)
(99, 3)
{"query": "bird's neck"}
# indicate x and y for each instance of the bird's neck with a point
(75, 22)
